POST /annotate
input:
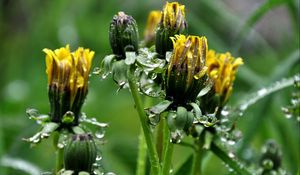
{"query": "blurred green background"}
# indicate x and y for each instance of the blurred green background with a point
(264, 33)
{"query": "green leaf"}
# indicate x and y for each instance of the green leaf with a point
(258, 14)
(20, 164)
(185, 168)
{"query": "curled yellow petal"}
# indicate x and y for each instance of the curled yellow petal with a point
(222, 68)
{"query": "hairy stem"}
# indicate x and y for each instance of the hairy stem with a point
(153, 156)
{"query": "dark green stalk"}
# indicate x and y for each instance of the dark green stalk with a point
(234, 164)
(153, 156)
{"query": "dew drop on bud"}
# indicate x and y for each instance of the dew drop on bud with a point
(100, 133)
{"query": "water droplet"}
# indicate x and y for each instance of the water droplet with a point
(45, 135)
(100, 133)
(110, 173)
(62, 141)
(267, 164)
(32, 113)
(288, 116)
(231, 155)
(231, 142)
(98, 158)
(36, 140)
(262, 91)
(154, 119)
(176, 136)
(96, 71)
(225, 112)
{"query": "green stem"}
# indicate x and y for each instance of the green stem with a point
(159, 138)
(141, 161)
(234, 164)
(59, 153)
(153, 156)
(167, 149)
(197, 162)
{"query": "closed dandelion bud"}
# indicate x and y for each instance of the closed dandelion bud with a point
(271, 156)
(80, 154)
(123, 35)
(68, 75)
(222, 69)
(154, 18)
(172, 23)
(186, 72)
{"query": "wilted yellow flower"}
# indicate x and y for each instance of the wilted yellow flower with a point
(152, 23)
(172, 23)
(173, 15)
(67, 80)
(186, 71)
(222, 68)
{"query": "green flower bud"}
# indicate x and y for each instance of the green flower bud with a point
(80, 154)
(186, 73)
(172, 23)
(123, 35)
(271, 154)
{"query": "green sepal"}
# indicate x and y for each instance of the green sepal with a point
(160, 107)
(189, 121)
(171, 120)
(45, 132)
(119, 72)
(181, 117)
(196, 110)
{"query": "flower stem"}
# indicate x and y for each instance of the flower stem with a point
(141, 160)
(167, 149)
(153, 156)
(234, 164)
(197, 162)
(59, 153)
